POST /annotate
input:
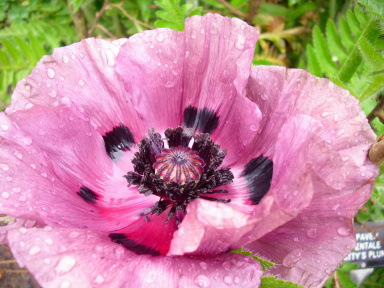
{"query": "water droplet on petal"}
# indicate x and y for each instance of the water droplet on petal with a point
(80, 83)
(240, 43)
(160, 37)
(9, 179)
(325, 114)
(53, 94)
(16, 189)
(34, 250)
(65, 59)
(27, 140)
(74, 234)
(328, 271)
(4, 127)
(65, 264)
(51, 73)
(4, 167)
(236, 280)
(5, 195)
(343, 231)
(311, 233)
(65, 284)
(47, 261)
(202, 281)
(203, 265)
(28, 106)
(49, 241)
(253, 128)
(99, 279)
(169, 84)
(227, 266)
(292, 258)
(193, 34)
(228, 280)
(295, 239)
(202, 31)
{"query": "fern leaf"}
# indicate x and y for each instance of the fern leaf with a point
(26, 50)
(313, 64)
(353, 23)
(12, 51)
(360, 16)
(346, 34)
(354, 58)
(172, 15)
(334, 42)
(322, 53)
(371, 57)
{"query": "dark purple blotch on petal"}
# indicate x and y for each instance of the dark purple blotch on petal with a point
(258, 173)
(88, 195)
(203, 120)
(119, 139)
(132, 245)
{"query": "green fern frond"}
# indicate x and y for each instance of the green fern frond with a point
(22, 46)
(349, 54)
(173, 15)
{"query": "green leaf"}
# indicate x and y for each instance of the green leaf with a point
(173, 15)
(322, 52)
(12, 51)
(376, 279)
(346, 34)
(334, 42)
(273, 9)
(344, 280)
(265, 264)
(371, 57)
(272, 282)
(313, 64)
(353, 24)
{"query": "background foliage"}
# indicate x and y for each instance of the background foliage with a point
(342, 40)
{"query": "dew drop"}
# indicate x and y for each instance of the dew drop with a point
(193, 34)
(49, 241)
(51, 73)
(18, 154)
(253, 128)
(227, 266)
(27, 140)
(74, 234)
(4, 167)
(65, 284)
(5, 195)
(4, 127)
(28, 106)
(9, 179)
(47, 261)
(80, 83)
(228, 280)
(336, 118)
(34, 250)
(33, 166)
(362, 174)
(292, 258)
(99, 279)
(169, 84)
(295, 239)
(65, 59)
(44, 175)
(325, 114)
(160, 37)
(65, 265)
(52, 94)
(202, 281)
(22, 244)
(203, 265)
(328, 271)
(119, 252)
(16, 189)
(202, 31)
(240, 43)
(23, 230)
(342, 231)
(236, 280)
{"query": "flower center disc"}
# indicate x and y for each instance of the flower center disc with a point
(178, 164)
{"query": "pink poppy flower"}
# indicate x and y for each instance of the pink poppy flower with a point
(143, 162)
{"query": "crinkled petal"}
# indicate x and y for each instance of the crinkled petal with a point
(61, 257)
(167, 72)
(81, 75)
(61, 155)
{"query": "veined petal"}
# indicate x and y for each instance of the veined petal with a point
(81, 76)
(56, 256)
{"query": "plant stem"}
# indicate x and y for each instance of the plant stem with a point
(253, 7)
(232, 9)
(79, 21)
(98, 16)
